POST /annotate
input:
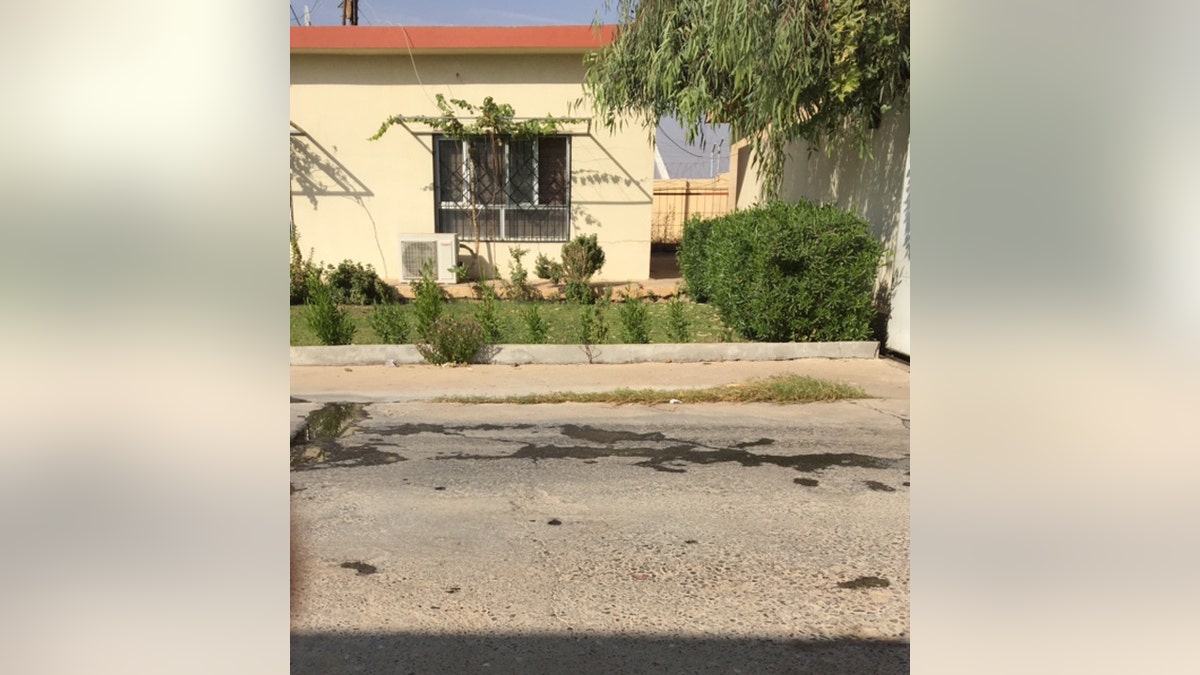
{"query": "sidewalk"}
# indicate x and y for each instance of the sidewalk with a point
(884, 379)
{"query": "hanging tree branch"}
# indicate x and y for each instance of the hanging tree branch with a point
(822, 71)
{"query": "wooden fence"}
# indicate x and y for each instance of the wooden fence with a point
(675, 201)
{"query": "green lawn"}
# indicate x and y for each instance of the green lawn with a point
(561, 317)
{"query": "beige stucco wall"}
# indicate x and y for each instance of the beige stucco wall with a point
(876, 188)
(352, 198)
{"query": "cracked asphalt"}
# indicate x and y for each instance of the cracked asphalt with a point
(594, 538)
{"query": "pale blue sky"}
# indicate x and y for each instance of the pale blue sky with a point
(682, 160)
(455, 12)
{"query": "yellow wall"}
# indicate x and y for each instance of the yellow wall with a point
(352, 198)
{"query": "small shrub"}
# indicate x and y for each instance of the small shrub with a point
(785, 272)
(679, 326)
(579, 291)
(460, 272)
(453, 340)
(389, 323)
(546, 268)
(582, 258)
(535, 326)
(592, 327)
(302, 271)
(635, 319)
(487, 313)
(357, 284)
(325, 317)
(428, 302)
(517, 287)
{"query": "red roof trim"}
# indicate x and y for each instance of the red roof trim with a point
(450, 38)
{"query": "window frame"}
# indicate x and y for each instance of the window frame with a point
(561, 231)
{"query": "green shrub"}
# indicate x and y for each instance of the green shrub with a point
(517, 287)
(460, 272)
(582, 258)
(679, 327)
(325, 317)
(635, 319)
(487, 312)
(786, 272)
(389, 323)
(690, 256)
(592, 326)
(453, 340)
(357, 284)
(428, 302)
(545, 268)
(535, 325)
(302, 271)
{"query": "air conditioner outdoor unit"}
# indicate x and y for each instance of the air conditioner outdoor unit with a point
(440, 250)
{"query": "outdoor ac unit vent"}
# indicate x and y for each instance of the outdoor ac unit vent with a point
(439, 250)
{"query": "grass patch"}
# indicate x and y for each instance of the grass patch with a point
(775, 389)
(561, 321)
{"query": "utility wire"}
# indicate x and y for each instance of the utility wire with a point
(676, 144)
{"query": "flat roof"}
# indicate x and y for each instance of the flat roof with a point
(449, 39)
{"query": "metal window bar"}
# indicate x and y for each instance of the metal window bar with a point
(505, 209)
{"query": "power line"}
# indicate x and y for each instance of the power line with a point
(673, 142)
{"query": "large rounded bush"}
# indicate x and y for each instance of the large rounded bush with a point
(786, 272)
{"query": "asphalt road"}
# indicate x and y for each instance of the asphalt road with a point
(441, 538)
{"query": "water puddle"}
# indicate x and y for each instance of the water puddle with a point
(318, 445)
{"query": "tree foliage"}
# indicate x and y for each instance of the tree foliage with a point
(774, 70)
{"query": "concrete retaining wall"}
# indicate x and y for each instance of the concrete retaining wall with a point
(374, 355)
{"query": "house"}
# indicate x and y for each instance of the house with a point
(358, 199)
(875, 188)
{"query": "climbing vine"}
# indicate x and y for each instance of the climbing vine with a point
(493, 122)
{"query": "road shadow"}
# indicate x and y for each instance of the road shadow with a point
(330, 653)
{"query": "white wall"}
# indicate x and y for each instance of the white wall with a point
(875, 188)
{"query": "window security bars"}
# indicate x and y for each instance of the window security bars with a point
(517, 189)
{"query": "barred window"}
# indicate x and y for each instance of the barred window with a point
(519, 189)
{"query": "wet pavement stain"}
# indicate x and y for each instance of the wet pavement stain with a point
(809, 482)
(362, 568)
(606, 436)
(332, 455)
(409, 429)
(754, 444)
(317, 446)
(670, 458)
(865, 582)
(878, 487)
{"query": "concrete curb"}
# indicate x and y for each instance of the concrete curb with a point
(374, 355)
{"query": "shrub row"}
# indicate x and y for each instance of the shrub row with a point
(785, 272)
